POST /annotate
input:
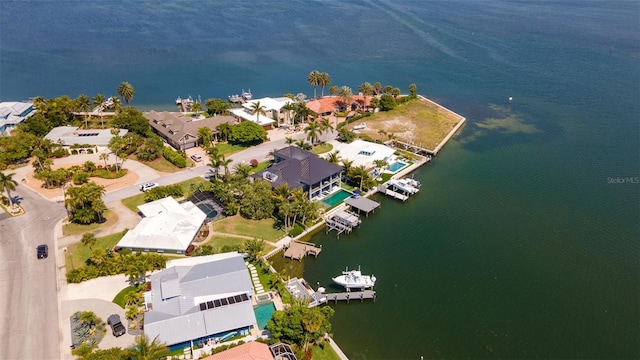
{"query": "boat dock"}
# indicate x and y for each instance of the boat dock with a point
(299, 249)
(342, 221)
(400, 189)
(350, 295)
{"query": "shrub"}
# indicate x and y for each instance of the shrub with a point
(296, 230)
(160, 192)
(387, 102)
(253, 162)
(174, 157)
(80, 178)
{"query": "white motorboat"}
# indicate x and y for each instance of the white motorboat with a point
(355, 280)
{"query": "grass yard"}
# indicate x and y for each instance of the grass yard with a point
(261, 166)
(75, 229)
(227, 149)
(416, 121)
(259, 229)
(134, 201)
(119, 299)
(161, 164)
(325, 352)
(322, 148)
(77, 254)
(217, 242)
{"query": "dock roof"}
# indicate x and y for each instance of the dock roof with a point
(362, 203)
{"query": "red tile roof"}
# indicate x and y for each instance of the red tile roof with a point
(332, 103)
(250, 351)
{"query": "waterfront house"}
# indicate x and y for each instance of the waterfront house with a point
(73, 135)
(12, 113)
(167, 226)
(271, 106)
(299, 168)
(327, 105)
(181, 131)
(254, 350)
(200, 299)
(364, 153)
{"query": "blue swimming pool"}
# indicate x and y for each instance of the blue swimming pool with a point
(263, 313)
(209, 210)
(396, 166)
(337, 197)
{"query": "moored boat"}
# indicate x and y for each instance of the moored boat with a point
(355, 280)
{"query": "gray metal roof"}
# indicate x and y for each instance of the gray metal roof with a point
(362, 203)
(70, 135)
(178, 291)
(297, 167)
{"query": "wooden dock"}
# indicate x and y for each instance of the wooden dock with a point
(299, 249)
(351, 295)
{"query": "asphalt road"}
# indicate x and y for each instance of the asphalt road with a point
(29, 326)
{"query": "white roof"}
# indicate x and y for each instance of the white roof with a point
(364, 152)
(13, 113)
(70, 135)
(167, 225)
(245, 114)
(268, 103)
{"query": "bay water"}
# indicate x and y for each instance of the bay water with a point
(523, 242)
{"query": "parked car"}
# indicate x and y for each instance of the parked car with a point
(43, 251)
(116, 325)
(148, 186)
(196, 157)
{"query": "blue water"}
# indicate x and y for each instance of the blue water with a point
(396, 166)
(337, 197)
(523, 242)
(263, 313)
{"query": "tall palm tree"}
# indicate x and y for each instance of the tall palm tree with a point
(313, 130)
(382, 134)
(314, 79)
(302, 112)
(333, 90)
(325, 80)
(84, 104)
(105, 157)
(8, 184)
(333, 157)
(413, 88)
(126, 91)
(98, 100)
(367, 90)
(145, 350)
(224, 162)
(325, 127)
(258, 110)
(377, 88)
(346, 167)
(288, 108)
(359, 173)
(346, 94)
(224, 130)
(206, 135)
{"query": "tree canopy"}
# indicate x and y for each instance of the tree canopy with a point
(132, 119)
(216, 106)
(300, 324)
(247, 133)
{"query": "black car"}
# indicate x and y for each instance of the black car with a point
(116, 325)
(43, 251)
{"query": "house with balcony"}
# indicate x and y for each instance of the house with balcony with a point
(12, 113)
(181, 131)
(273, 108)
(299, 168)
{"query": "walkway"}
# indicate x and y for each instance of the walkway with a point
(257, 285)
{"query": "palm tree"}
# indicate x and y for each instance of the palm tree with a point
(395, 92)
(382, 134)
(8, 184)
(346, 94)
(388, 89)
(289, 107)
(367, 90)
(196, 107)
(333, 157)
(224, 130)
(242, 170)
(126, 91)
(303, 145)
(302, 112)
(224, 162)
(333, 90)
(84, 104)
(206, 135)
(325, 80)
(346, 167)
(116, 103)
(359, 173)
(313, 130)
(105, 157)
(99, 99)
(289, 140)
(377, 88)
(145, 350)
(413, 89)
(88, 240)
(314, 79)
(258, 110)
(325, 126)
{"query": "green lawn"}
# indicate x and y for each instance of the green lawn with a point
(161, 164)
(134, 201)
(227, 149)
(75, 229)
(261, 166)
(77, 254)
(322, 148)
(260, 229)
(119, 299)
(220, 241)
(326, 353)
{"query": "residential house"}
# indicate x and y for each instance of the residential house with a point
(272, 108)
(364, 153)
(73, 135)
(301, 169)
(327, 105)
(255, 351)
(181, 131)
(167, 226)
(12, 113)
(201, 299)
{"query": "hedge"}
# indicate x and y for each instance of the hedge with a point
(174, 157)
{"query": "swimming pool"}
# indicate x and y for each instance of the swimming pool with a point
(396, 166)
(209, 210)
(337, 197)
(263, 313)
